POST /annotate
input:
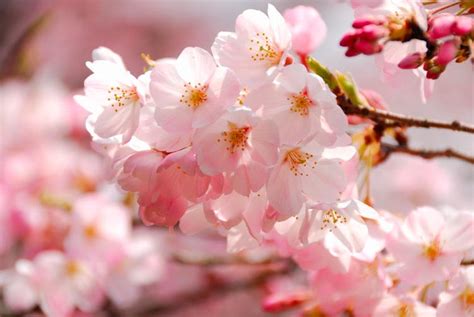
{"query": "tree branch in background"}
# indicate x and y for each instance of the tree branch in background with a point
(388, 149)
(394, 119)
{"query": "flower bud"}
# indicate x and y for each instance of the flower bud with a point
(440, 26)
(412, 61)
(307, 28)
(462, 26)
(447, 52)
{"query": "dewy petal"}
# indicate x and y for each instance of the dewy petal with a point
(280, 30)
(195, 65)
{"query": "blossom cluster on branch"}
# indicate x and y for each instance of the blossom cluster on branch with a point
(261, 143)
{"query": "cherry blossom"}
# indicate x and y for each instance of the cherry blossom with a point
(113, 96)
(306, 171)
(258, 48)
(192, 91)
(430, 246)
(300, 104)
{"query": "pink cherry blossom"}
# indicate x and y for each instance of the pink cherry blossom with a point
(458, 300)
(114, 98)
(391, 306)
(306, 171)
(99, 227)
(430, 246)
(65, 283)
(308, 29)
(191, 92)
(241, 144)
(258, 48)
(301, 105)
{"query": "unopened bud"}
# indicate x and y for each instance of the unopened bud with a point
(412, 61)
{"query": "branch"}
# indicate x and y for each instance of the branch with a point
(394, 119)
(467, 262)
(217, 261)
(388, 149)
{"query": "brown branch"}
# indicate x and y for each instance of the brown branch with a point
(467, 262)
(217, 261)
(388, 149)
(393, 119)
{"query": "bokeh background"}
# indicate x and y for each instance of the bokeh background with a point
(44, 45)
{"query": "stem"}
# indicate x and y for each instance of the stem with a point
(426, 154)
(394, 119)
(444, 7)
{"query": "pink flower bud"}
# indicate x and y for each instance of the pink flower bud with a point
(412, 61)
(368, 20)
(373, 32)
(348, 39)
(462, 26)
(352, 52)
(440, 26)
(367, 48)
(308, 29)
(447, 52)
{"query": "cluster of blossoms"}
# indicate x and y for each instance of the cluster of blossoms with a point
(247, 141)
(66, 239)
(414, 36)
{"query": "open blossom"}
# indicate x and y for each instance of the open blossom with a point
(458, 300)
(308, 29)
(113, 96)
(392, 306)
(98, 228)
(58, 283)
(258, 47)
(241, 144)
(191, 91)
(307, 171)
(430, 247)
(300, 104)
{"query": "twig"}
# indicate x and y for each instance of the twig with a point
(216, 261)
(394, 119)
(388, 149)
(467, 262)
(444, 7)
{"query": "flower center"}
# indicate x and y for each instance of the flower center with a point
(332, 218)
(235, 137)
(467, 297)
(122, 96)
(194, 96)
(90, 232)
(432, 250)
(263, 50)
(405, 311)
(72, 268)
(296, 158)
(300, 103)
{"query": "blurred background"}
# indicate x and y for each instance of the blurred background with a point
(44, 45)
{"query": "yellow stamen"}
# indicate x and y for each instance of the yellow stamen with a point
(236, 137)
(194, 96)
(296, 159)
(300, 103)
